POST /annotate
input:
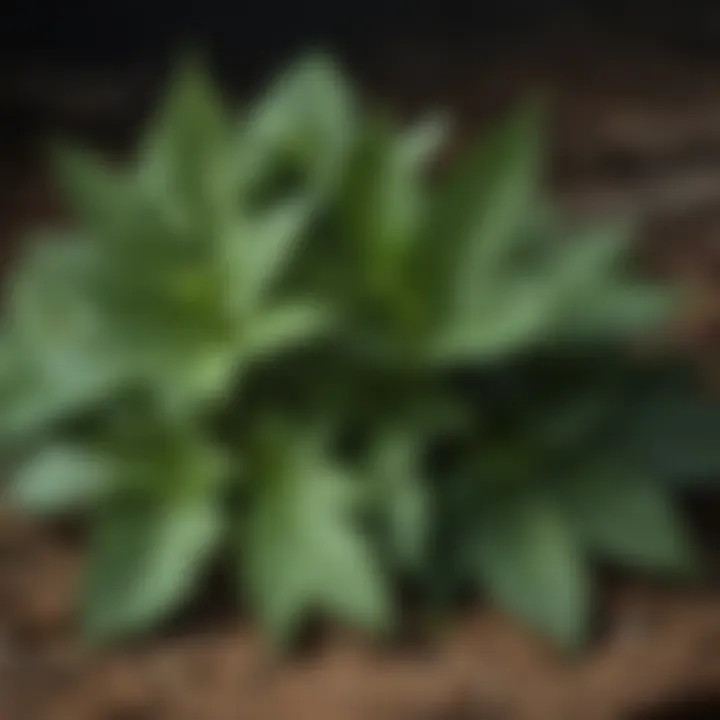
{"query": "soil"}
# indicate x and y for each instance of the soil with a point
(634, 128)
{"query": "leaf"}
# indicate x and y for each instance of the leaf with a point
(621, 311)
(144, 562)
(61, 478)
(421, 143)
(629, 520)
(157, 457)
(302, 551)
(36, 396)
(195, 380)
(99, 195)
(519, 320)
(381, 204)
(529, 561)
(260, 249)
(401, 493)
(286, 327)
(183, 158)
(672, 429)
(306, 119)
(602, 300)
(530, 307)
(486, 202)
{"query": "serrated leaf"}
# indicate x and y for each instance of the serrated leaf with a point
(530, 563)
(629, 520)
(144, 562)
(61, 478)
(302, 551)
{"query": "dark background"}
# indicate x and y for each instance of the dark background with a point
(93, 31)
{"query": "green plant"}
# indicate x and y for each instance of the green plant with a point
(280, 341)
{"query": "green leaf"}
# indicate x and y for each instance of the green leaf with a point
(61, 478)
(287, 327)
(195, 380)
(672, 428)
(382, 204)
(302, 551)
(306, 120)
(184, 155)
(422, 143)
(602, 300)
(158, 457)
(518, 320)
(401, 493)
(144, 562)
(260, 249)
(621, 311)
(37, 395)
(531, 306)
(487, 202)
(98, 194)
(629, 520)
(528, 559)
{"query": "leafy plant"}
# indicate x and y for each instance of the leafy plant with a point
(281, 340)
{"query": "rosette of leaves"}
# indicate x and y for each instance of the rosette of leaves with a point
(269, 338)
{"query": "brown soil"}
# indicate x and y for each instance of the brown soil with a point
(634, 129)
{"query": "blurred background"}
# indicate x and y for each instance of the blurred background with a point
(635, 95)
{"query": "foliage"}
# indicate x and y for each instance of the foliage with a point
(280, 339)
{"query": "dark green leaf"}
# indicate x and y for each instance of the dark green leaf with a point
(629, 520)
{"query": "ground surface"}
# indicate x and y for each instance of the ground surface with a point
(634, 129)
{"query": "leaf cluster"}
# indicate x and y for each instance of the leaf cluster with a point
(281, 340)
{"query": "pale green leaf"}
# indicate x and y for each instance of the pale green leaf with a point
(421, 144)
(401, 493)
(302, 551)
(286, 327)
(530, 563)
(259, 249)
(532, 306)
(305, 121)
(144, 562)
(61, 478)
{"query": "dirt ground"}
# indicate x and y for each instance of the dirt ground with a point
(634, 128)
